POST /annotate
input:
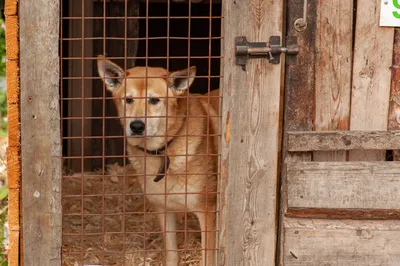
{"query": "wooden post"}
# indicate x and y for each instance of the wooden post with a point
(78, 88)
(250, 142)
(40, 132)
(394, 104)
(299, 95)
(14, 144)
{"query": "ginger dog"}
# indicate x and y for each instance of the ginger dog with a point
(179, 136)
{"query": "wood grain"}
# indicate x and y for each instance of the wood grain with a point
(370, 185)
(394, 104)
(333, 61)
(250, 147)
(40, 132)
(344, 242)
(371, 75)
(343, 140)
(79, 88)
(359, 214)
(299, 93)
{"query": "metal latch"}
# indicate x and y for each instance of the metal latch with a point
(271, 50)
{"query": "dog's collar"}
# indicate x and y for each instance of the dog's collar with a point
(158, 151)
(165, 162)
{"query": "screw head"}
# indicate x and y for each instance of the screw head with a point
(300, 24)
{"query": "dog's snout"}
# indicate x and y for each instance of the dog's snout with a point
(137, 126)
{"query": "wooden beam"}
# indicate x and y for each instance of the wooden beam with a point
(250, 130)
(80, 88)
(344, 242)
(359, 214)
(394, 104)
(371, 75)
(333, 61)
(40, 131)
(369, 185)
(299, 93)
(343, 140)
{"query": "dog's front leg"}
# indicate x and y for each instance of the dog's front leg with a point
(207, 226)
(168, 227)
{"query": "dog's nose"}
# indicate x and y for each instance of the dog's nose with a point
(137, 126)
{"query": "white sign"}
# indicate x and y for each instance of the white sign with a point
(390, 13)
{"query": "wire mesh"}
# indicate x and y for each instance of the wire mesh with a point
(114, 213)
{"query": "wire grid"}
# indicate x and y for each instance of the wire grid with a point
(107, 219)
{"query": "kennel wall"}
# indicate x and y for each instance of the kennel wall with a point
(59, 42)
(340, 165)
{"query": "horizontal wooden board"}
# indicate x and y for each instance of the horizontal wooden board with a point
(343, 140)
(371, 185)
(314, 242)
(341, 247)
(360, 214)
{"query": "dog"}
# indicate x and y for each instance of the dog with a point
(172, 140)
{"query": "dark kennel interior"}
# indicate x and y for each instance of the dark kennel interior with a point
(189, 35)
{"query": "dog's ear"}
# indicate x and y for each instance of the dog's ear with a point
(180, 81)
(112, 73)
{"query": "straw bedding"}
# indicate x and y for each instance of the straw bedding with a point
(131, 231)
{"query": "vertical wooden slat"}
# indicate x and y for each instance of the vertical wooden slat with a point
(250, 138)
(40, 132)
(299, 96)
(116, 48)
(333, 60)
(371, 75)
(14, 132)
(77, 88)
(394, 104)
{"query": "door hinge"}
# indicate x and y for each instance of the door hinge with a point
(272, 50)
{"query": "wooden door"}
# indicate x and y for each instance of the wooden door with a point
(250, 138)
(340, 181)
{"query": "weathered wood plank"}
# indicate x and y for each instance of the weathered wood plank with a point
(80, 88)
(299, 93)
(343, 140)
(250, 128)
(359, 214)
(394, 105)
(371, 185)
(40, 132)
(333, 60)
(316, 242)
(371, 75)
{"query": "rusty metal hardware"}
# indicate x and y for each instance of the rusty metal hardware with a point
(301, 23)
(245, 50)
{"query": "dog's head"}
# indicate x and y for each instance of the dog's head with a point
(141, 98)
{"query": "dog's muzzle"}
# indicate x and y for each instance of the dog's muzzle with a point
(137, 127)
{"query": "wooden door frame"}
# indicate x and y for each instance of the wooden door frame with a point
(40, 132)
(250, 138)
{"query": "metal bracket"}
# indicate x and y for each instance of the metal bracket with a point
(245, 50)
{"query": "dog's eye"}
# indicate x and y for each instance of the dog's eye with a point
(129, 100)
(153, 100)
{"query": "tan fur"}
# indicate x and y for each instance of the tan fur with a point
(190, 184)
